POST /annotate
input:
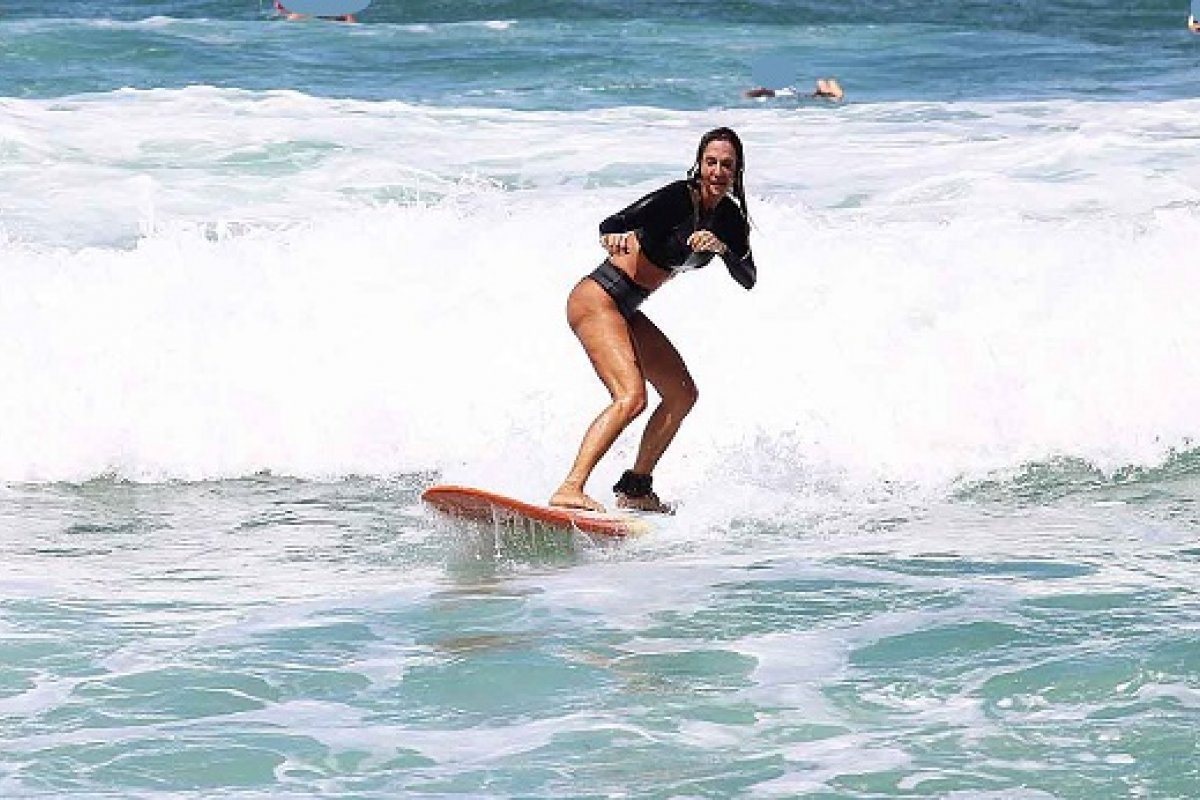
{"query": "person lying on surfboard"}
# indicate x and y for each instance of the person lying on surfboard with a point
(291, 16)
(826, 89)
(674, 229)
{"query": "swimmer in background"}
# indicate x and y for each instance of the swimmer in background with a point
(279, 8)
(826, 89)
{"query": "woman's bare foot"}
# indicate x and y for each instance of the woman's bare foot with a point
(569, 496)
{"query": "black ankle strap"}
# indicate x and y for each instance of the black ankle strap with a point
(634, 484)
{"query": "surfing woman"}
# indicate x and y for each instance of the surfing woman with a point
(674, 229)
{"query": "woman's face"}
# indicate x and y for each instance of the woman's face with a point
(718, 165)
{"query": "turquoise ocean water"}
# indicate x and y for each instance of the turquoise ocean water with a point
(261, 282)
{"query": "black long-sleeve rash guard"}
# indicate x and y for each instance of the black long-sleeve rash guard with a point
(664, 219)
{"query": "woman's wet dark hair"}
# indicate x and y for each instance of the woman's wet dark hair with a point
(739, 187)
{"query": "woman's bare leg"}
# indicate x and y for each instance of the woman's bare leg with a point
(606, 337)
(664, 368)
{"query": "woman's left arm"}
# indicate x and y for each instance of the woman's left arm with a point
(739, 259)
(742, 269)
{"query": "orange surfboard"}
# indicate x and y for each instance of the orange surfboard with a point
(478, 505)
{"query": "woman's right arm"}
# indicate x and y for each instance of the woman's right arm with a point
(659, 205)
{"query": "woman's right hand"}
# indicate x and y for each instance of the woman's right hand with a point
(617, 243)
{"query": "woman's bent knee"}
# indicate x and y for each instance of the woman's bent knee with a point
(691, 396)
(683, 399)
(630, 404)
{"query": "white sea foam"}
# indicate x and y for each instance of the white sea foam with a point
(208, 283)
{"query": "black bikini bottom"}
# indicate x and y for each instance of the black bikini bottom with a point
(620, 287)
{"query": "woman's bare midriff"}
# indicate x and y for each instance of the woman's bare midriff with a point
(640, 269)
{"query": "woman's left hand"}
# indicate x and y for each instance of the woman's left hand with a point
(706, 242)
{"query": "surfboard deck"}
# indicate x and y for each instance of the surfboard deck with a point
(480, 505)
